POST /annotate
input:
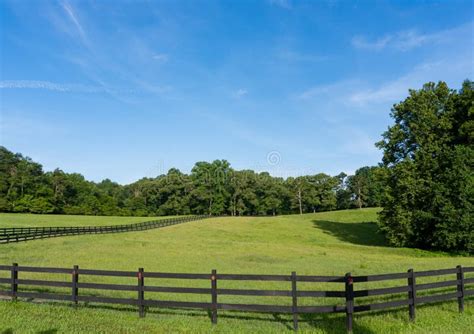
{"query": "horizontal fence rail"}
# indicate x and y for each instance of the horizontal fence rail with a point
(344, 290)
(18, 234)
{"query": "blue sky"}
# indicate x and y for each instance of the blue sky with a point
(126, 89)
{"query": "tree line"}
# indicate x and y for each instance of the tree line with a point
(211, 188)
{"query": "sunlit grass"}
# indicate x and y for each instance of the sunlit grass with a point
(330, 243)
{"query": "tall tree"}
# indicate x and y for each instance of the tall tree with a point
(429, 160)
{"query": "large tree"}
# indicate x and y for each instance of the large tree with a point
(429, 160)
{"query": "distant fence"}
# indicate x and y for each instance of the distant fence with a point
(347, 291)
(17, 234)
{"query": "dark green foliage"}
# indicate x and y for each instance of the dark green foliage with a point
(211, 188)
(429, 174)
(363, 189)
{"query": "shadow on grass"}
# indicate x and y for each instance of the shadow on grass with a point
(328, 323)
(365, 233)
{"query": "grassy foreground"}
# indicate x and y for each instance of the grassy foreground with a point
(330, 243)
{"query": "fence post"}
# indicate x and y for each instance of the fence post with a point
(412, 294)
(214, 296)
(75, 280)
(349, 301)
(14, 278)
(141, 293)
(460, 277)
(294, 308)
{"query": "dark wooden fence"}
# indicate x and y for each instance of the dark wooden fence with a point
(347, 292)
(17, 234)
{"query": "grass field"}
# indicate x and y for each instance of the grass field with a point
(330, 243)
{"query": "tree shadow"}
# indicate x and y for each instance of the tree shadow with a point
(364, 233)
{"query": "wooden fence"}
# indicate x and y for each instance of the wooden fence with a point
(17, 234)
(346, 293)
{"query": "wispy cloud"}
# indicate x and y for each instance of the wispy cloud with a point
(160, 57)
(241, 92)
(395, 90)
(361, 42)
(73, 17)
(286, 4)
(407, 39)
(293, 56)
(402, 41)
(328, 89)
(359, 93)
(53, 86)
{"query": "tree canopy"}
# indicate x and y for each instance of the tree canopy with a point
(429, 165)
(211, 188)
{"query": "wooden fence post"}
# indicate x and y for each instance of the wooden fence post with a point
(294, 308)
(214, 296)
(349, 301)
(14, 278)
(460, 277)
(141, 293)
(75, 281)
(412, 294)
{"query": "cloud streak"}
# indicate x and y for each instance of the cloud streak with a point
(241, 92)
(286, 4)
(71, 14)
(48, 85)
(408, 39)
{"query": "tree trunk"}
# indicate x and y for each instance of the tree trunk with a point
(299, 201)
(359, 199)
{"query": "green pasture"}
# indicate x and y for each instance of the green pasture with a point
(329, 243)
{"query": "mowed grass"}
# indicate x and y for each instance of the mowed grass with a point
(31, 220)
(330, 243)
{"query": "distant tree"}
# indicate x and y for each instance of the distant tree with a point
(210, 194)
(366, 186)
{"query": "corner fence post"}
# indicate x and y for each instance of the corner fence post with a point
(349, 287)
(14, 278)
(214, 296)
(411, 294)
(294, 307)
(75, 281)
(460, 277)
(141, 293)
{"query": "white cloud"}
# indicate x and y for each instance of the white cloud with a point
(394, 91)
(361, 42)
(75, 20)
(161, 57)
(332, 89)
(293, 56)
(240, 93)
(286, 4)
(409, 39)
(48, 85)
(33, 84)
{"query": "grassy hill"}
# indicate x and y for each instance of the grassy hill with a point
(329, 243)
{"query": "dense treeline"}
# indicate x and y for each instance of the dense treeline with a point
(429, 161)
(211, 188)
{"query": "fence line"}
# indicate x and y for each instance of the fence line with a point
(18, 234)
(459, 282)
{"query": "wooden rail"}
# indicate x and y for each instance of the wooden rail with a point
(344, 290)
(18, 234)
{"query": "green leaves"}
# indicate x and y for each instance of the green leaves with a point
(429, 160)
